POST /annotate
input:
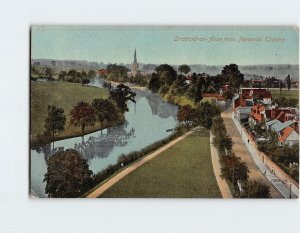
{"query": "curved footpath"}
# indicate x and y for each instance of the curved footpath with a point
(240, 150)
(225, 191)
(97, 192)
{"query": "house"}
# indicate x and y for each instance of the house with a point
(247, 97)
(257, 114)
(288, 136)
(283, 114)
(102, 72)
(287, 132)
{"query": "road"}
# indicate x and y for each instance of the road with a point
(97, 192)
(240, 150)
(273, 178)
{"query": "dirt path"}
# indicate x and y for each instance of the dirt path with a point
(240, 150)
(225, 191)
(97, 192)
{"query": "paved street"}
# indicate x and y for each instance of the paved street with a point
(280, 186)
(240, 150)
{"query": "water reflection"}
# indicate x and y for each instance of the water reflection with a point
(146, 123)
(98, 146)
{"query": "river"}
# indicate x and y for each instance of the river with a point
(146, 123)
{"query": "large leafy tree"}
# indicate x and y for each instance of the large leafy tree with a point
(83, 114)
(234, 169)
(186, 114)
(232, 75)
(184, 69)
(255, 189)
(68, 175)
(166, 73)
(121, 95)
(55, 120)
(105, 110)
(154, 83)
(205, 112)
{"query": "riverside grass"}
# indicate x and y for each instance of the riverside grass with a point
(63, 95)
(182, 171)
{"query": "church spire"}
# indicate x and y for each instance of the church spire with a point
(135, 60)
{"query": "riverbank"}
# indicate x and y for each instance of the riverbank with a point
(131, 85)
(63, 95)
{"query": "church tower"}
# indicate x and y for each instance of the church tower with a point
(134, 65)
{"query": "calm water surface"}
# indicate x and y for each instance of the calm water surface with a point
(146, 123)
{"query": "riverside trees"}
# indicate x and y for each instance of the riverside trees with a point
(68, 175)
(83, 114)
(55, 120)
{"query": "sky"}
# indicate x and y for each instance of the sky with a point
(172, 45)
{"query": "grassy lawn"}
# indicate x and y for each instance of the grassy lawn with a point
(285, 93)
(61, 94)
(184, 170)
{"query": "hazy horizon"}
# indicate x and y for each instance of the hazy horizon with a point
(173, 45)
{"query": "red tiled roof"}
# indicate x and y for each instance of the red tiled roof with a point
(256, 112)
(285, 133)
(213, 95)
(260, 93)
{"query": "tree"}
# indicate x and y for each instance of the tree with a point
(55, 120)
(166, 73)
(154, 84)
(164, 90)
(228, 95)
(184, 69)
(83, 115)
(255, 189)
(204, 114)
(232, 75)
(288, 82)
(48, 74)
(91, 74)
(280, 87)
(186, 114)
(198, 93)
(68, 175)
(234, 169)
(105, 110)
(121, 95)
(62, 75)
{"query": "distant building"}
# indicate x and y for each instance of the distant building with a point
(134, 66)
(102, 72)
(246, 98)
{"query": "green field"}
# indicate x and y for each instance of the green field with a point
(184, 170)
(285, 93)
(61, 94)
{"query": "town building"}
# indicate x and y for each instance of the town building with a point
(134, 66)
(246, 98)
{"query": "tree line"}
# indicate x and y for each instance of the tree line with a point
(167, 80)
(86, 114)
(73, 76)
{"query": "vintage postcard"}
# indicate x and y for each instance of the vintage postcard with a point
(164, 112)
